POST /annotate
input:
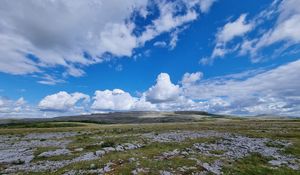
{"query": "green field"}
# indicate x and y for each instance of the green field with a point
(152, 157)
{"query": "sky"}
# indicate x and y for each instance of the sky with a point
(61, 57)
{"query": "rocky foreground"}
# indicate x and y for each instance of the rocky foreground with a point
(209, 151)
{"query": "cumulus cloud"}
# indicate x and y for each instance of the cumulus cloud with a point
(62, 101)
(40, 35)
(164, 90)
(119, 100)
(116, 99)
(268, 91)
(143, 105)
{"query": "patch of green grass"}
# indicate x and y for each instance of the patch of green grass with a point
(40, 125)
(275, 145)
(256, 164)
(207, 159)
(170, 164)
(108, 143)
(217, 152)
(293, 149)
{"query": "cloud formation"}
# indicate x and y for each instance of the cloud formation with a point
(191, 78)
(163, 91)
(282, 19)
(227, 33)
(265, 91)
(40, 35)
(62, 101)
(116, 99)
(274, 91)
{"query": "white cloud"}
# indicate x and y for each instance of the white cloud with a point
(205, 5)
(20, 102)
(173, 14)
(62, 101)
(58, 32)
(75, 34)
(191, 78)
(143, 105)
(160, 44)
(227, 33)
(119, 100)
(164, 90)
(276, 88)
(234, 29)
(50, 80)
(1, 102)
(115, 100)
(118, 39)
(274, 91)
(285, 29)
(13, 108)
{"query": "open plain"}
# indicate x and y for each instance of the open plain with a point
(208, 146)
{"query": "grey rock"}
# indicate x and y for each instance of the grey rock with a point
(16, 155)
(57, 152)
(100, 153)
(132, 159)
(211, 168)
(109, 149)
(119, 148)
(78, 149)
(165, 173)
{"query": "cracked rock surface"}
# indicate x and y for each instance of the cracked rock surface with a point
(50, 152)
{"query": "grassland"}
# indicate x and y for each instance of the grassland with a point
(151, 157)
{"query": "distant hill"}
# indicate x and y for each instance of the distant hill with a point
(142, 117)
(139, 117)
(127, 117)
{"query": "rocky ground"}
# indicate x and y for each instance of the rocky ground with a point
(186, 148)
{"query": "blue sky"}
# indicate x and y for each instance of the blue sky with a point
(73, 57)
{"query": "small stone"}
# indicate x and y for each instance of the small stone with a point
(109, 149)
(93, 166)
(119, 148)
(211, 169)
(100, 153)
(184, 153)
(165, 173)
(107, 167)
(78, 149)
(132, 159)
(57, 152)
(129, 146)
